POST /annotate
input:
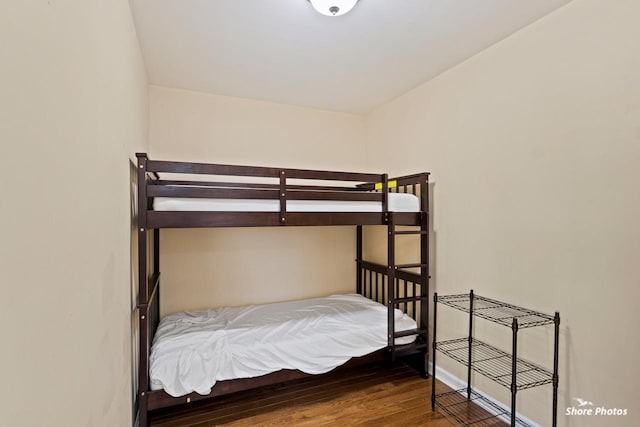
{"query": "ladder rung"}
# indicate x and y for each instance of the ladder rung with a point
(410, 265)
(411, 232)
(409, 299)
(409, 332)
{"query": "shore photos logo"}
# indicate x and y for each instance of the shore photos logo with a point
(586, 407)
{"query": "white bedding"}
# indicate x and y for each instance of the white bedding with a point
(398, 202)
(193, 350)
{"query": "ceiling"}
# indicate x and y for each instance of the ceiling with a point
(284, 51)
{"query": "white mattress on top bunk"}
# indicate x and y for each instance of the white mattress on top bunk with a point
(398, 202)
(193, 350)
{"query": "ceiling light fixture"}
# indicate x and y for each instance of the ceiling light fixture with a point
(333, 7)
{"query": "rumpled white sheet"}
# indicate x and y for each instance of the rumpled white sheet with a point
(193, 350)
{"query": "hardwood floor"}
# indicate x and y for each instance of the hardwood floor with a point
(370, 396)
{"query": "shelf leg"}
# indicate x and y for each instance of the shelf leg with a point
(556, 321)
(514, 370)
(470, 339)
(433, 347)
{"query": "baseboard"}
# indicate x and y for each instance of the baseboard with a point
(457, 383)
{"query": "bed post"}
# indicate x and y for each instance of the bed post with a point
(359, 259)
(143, 292)
(424, 267)
(391, 267)
(391, 283)
(156, 271)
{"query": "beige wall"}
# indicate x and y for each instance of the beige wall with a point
(73, 109)
(213, 267)
(534, 146)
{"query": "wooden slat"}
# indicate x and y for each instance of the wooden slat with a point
(253, 185)
(408, 333)
(410, 232)
(413, 265)
(188, 219)
(333, 218)
(408, 275)
(251, 193)
(332, 176)
(335, 195)
(154, 281)
(211, 169)
(410, 299)
(193, 219)
(406, 218)
(267, 172)
(282, 194)
(410, 179)
(412, 349)
(209, 193)
(413, 293)
(400, 274)
(375, 297)
(385, 281)
(374, 266)
(400, 181)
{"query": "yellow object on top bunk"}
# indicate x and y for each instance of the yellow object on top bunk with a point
(392, 184)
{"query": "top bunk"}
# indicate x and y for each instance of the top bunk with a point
(188, 195)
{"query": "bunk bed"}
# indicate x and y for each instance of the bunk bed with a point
(172, 194)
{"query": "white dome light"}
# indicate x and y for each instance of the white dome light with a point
(333, 7)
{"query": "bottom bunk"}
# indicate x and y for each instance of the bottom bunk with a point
(215, 352)
(194, 350)
(159, 399)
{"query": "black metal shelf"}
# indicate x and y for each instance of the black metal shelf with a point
(497, 311)
(494, 363)
(506, 369)
(470, 412)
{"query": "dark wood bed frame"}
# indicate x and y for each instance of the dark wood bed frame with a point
(409, 290)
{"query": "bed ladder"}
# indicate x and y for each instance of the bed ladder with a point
(420, 346)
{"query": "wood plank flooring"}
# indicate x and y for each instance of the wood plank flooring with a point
(370, 396)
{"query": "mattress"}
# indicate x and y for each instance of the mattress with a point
(398, 202)
(193, 350)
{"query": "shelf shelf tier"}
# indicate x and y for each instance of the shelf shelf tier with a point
(494, 363)
(497, 311)
(474, 411)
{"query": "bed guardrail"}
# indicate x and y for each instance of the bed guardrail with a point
(374, 285)
(371, 187)
(412, 184)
